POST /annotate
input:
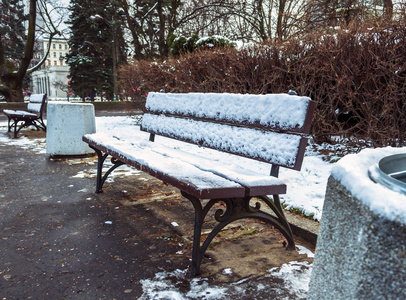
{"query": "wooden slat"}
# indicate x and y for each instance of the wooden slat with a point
(37, 102)
(256, 184)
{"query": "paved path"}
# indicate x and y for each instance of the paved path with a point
(54, 239)
(59, 240)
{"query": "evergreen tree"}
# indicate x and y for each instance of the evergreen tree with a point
(12, 30)
(12, 34)
(91, 56)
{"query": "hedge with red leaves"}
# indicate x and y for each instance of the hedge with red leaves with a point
(357, 77)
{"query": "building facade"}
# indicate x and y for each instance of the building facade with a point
(52, 78)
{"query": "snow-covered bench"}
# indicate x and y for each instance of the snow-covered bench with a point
(33, 115)
(269, 128)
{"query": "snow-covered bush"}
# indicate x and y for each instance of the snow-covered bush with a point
(181, 45)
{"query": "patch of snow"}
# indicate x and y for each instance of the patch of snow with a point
(296, 276)
(227, 271)
(304, 250)
(161, 287)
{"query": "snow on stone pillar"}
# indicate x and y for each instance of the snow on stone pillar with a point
(361, 247)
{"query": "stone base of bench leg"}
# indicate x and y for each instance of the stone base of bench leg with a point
(236, 209)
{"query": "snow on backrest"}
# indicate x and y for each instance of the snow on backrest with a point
(282, 149)
(278, 111)
(35, 102)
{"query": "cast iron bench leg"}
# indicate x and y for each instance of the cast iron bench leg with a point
(15, 129)
(9, 126)
(100, 161)
(236, 209)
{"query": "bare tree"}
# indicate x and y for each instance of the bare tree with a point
(321, 13)
(153, 23)
(11, 78)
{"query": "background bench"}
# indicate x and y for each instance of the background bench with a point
(267, 128)
(33, 115)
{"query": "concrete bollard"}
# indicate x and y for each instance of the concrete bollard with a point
(361, 247)
(66, 124)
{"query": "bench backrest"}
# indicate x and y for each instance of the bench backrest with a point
(268, 127)
(37, 103)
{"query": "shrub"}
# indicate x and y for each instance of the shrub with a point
(357, 76)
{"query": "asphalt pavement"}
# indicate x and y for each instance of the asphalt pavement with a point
(60, 240)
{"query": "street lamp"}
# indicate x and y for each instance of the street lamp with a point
(98, 17)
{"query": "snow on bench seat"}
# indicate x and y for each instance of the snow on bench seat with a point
(206, 179)
(21, 113)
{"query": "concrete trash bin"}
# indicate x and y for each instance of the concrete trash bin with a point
(361, 248)
(66, 124)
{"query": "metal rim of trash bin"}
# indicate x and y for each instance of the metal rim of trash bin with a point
(390, 172)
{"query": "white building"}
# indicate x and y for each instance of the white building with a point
(52, 78)
(52, 81)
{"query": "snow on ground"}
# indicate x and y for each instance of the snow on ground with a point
(170, 285)
(37, 145)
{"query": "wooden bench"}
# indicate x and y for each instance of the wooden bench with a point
(33, 115)
(268, 128)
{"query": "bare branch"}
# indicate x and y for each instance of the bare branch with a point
(38, 65)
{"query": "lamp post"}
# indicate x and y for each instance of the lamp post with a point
(98, 17)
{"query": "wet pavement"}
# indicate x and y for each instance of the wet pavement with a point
(60, 240)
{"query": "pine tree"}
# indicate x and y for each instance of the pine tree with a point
(12, 37)
(12, 30)
(91, 56)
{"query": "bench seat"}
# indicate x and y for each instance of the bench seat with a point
(198, 176)
(20, 113)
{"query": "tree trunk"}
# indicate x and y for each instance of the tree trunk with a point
(17, 94)
(12, 80)
(279, 25)
(162, 45)
(261, 21)
(135, 34)
(388, 9)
